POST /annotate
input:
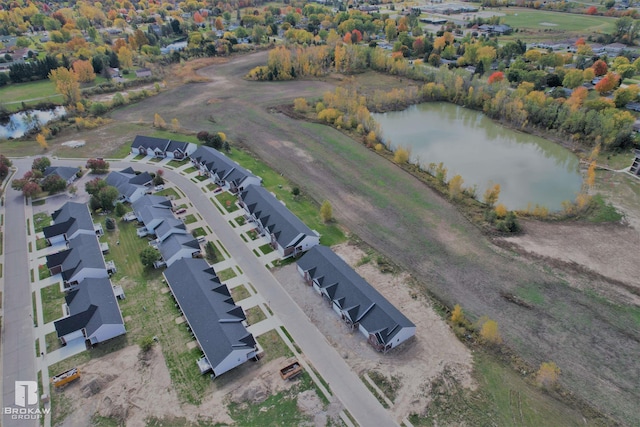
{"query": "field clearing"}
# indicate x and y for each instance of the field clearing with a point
(567, 22)
(18, 92)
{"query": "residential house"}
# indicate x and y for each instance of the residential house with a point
(151, 211)
(210, 312)
(169, 227)
(82, 259)
(358, 303)
(635, 166)
(288, 235)
(495, 29)
(222, 170)
(92, 312)
(159, 147)
(69, 221)
(178, 246)
(69, 174)
(131, 186)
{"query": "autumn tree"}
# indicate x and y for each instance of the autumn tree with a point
(84, 71)
(501, 210)
(608, 83)
(326, 211)
(573, 79)
(600, 67)
(42, 142)
(97, 166)
(30, 189)
(158, 121)
(591, 174)
(547, 375)
(5, 164)
(491, 195)
(592, 10)
(40, 164)
(623, 96)
(489, 332)
(371, 138)
(496, 77)
(401, 155)
(219, 24)
(94, 186)
(457, 316)
(175, 124)
(125, 57)
(300, 105)
(66, 83)
(53, 184)
(455, 187)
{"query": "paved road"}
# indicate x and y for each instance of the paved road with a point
(344, 383)
(18, 351)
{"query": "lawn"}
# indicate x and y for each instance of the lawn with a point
(18, 92)
(266, 248)
(168, 192)
(177, 163)
(255, 315)
(536, 19)
(52, 342)
(198, 232)
(41, 220)
(52, 301)
(239, 293)
(228, 200)
(189, 219)
(41, 243)
(43, 272)
(240, 220)
(150, 312)
(273, 346)
(226, 274)
(303, 207)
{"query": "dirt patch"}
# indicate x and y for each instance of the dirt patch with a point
(416, 362)
(130, 386)
(609, 250)
(106, 97)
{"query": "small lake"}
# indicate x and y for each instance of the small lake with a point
(529, 169)
(21, 123)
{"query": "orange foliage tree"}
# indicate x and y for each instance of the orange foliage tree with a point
(608, 83)
(600, 67)
(84, 70)
(496, 77)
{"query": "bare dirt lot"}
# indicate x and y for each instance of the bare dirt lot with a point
(416, 363)
(594, 341)
(131, 388)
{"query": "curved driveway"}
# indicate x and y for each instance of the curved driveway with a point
(344, 383)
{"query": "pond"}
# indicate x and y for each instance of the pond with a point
(529, 169)
(22, 122)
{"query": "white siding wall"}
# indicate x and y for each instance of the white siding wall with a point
(235, 358)
(106, 332)
(309, 242)
(403, 335)
(135, 150)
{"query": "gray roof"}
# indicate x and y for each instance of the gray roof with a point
(150, 207)
(361, 301)
(209, 309)
(171, 224)
(126, 181)
(161, 144)
(84, 252)
(64, 172)
(69, 218)
(91, 305)
(216, 162)
(175, 243)
(274, 216)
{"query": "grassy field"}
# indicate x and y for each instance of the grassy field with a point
(52, 300)
(41, 220)
(540, 20)
(255, 315)
(239, 293)
(32, 93)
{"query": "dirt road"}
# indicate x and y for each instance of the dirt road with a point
(593, 341)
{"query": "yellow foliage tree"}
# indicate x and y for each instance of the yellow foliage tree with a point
(379, 147)
(455, 187)
(300, 105)
(158, 121)
(371, 138)
(66, 83)
(491, 195)
(175, 125)
(457, 316)
(490, 333)
(223, 137)
(125, 57)
(547, 375)
(401, 155)
(595, 152)
(501, 210)
(326, 211)
(80, 107)
(42, 141)
(591, 174)
(84, 70)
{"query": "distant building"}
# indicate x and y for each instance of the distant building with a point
(143, 72)
(222, 170)
(131, 186)
(635, 166)
(69, 174)
(160, 147)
